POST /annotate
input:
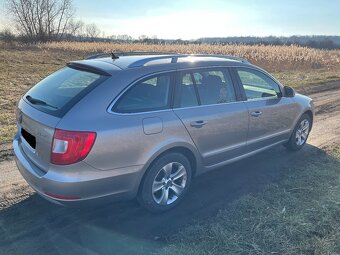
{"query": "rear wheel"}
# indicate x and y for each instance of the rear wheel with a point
(300, 133)
(166, 182)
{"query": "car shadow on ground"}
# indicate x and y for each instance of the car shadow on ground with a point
(35, 226)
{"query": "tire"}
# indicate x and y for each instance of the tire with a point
(300, 134)
(166, 182)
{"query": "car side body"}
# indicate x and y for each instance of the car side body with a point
(128, 142)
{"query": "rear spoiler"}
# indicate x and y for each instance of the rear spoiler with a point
(87, 68)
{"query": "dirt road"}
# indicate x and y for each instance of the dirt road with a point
(31, 225)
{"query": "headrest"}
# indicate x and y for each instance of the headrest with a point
(211, 80)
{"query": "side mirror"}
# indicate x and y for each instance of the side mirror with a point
(289, 91)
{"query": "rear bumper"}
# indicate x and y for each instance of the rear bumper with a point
(79, 183)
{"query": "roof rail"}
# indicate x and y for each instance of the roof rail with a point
(174, 58)
(144, 61)
(115, 55)
(243, 60)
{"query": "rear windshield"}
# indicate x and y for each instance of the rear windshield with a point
(58, 92)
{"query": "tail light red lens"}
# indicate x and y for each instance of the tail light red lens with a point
(71, 146)
(62, 197)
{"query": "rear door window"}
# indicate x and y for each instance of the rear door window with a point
(188, 93)
(205, 87)
(62, 89)
(150, 94)
(214, 86)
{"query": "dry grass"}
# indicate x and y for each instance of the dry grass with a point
(20, 69)
(273, 58)
(300, 79)
(299, 215)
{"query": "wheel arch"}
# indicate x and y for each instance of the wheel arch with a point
(311, 115)
(187, 150)
(309, 112)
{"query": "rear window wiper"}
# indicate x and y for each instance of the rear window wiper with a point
(39, 102)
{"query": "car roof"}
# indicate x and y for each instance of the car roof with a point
(159, 61)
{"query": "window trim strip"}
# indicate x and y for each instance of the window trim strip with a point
(176, 72)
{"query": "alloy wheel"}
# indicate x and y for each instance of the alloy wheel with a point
(169, 183)
(302, 132)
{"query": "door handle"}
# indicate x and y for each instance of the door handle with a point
(198, 123)
(256, 114)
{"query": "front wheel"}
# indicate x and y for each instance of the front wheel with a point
(300, 133)
(166, 182)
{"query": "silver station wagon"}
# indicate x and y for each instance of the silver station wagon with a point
(124, 125)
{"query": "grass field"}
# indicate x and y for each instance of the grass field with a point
(20, 69)
(22, 66)
(298, 215)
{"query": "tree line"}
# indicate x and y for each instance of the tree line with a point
(312, 41)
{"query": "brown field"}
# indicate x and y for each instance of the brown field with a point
(277, 202)
(22, 66)
(274, 58)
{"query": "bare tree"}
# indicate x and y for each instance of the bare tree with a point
(75, 28)
(41, 20)
(112, 37)
(124, 37)
(142, 37)
(92, 31)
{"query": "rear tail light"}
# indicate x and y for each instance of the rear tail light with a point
(62, 197)
(71, 146)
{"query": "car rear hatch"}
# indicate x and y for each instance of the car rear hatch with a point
(35, 131)
(43, 106)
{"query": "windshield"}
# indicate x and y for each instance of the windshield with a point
(62, 89)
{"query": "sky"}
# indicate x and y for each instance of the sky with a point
(192, 19)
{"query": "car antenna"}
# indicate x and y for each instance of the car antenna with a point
(113, 56)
